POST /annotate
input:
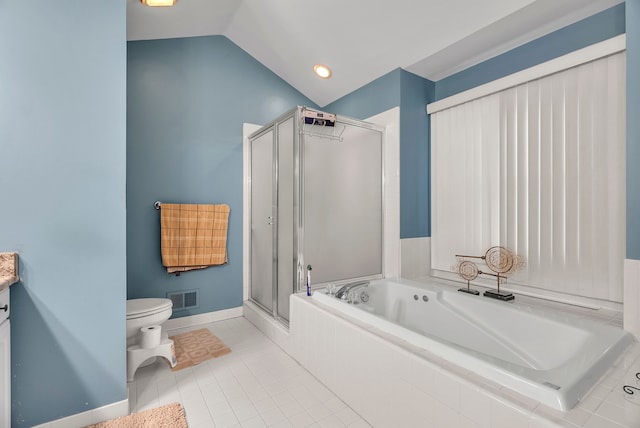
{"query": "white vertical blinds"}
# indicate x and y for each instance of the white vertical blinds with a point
(539, 168)
(465, 180)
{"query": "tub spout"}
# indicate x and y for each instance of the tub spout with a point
(343, 292)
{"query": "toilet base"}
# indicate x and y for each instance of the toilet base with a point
(137, 355)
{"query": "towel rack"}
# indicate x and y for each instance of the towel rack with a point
(157, 204)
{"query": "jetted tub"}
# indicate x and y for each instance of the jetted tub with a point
(549, 356)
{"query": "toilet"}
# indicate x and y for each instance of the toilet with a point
(147, 313)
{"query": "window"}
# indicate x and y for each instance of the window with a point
(539, 168)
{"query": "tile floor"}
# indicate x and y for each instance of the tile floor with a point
(256, 385)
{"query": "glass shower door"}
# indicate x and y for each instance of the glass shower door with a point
(262, 220)
(343, 204)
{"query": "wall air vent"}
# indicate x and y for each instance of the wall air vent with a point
(187, 299)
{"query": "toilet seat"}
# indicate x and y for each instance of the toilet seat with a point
(139, 308)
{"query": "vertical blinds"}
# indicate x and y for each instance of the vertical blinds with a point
(539, 168)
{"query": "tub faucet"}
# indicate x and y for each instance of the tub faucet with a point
(343, 292)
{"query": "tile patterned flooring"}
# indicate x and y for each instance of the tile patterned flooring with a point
(256, 385)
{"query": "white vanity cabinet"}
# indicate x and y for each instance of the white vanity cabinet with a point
(5, 360)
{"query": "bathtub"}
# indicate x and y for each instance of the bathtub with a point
(548, 356)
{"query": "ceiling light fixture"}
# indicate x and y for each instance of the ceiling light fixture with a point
(158, 2)
(322, 71)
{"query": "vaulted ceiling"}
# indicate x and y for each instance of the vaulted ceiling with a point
(361, 40)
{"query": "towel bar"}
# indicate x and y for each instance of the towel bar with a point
(157, 204)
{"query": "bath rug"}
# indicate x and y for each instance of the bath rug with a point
(169, 416)
(197, 346)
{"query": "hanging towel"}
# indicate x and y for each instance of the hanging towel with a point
(193, 236)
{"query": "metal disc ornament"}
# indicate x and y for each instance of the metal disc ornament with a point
(499, 259)
(468, 270)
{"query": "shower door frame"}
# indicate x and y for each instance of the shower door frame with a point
(274, 127)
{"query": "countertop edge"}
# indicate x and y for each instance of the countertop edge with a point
(7, 281)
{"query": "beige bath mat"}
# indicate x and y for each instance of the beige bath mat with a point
(197, 346)
(169, 416)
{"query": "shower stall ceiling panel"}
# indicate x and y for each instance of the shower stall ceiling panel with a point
(317, 199)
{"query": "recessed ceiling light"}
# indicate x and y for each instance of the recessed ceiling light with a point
(158, 2)
(322, 71)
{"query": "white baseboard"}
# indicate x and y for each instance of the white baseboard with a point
(101, 414)
(269, 326)
(195, 320)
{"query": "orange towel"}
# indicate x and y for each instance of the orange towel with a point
(193, 236)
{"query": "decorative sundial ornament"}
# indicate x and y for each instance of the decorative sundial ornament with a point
(468, 271)
(499, 260)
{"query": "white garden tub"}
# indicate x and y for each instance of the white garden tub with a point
(551, 357)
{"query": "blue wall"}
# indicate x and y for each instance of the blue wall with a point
(411, 93)
(415, 156)
(186, 102)
(375, 97)
(633, 129)
(62, 175)
(599, 27)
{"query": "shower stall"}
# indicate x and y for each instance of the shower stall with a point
(316, 200)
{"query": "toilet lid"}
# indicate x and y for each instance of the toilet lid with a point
(137, 308)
